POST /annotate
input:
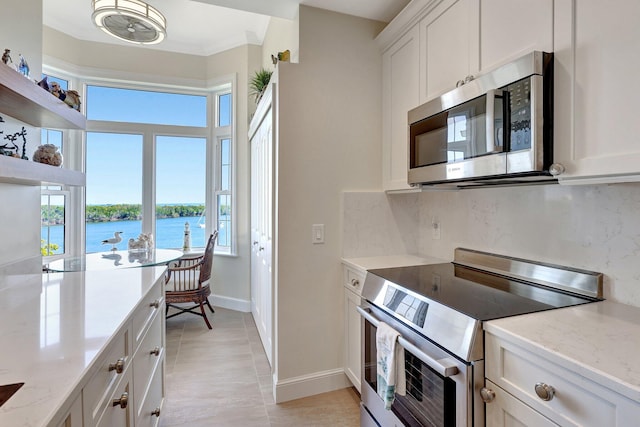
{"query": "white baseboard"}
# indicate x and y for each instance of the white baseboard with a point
(309, 385)
(231, 303)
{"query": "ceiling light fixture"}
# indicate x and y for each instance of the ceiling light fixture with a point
(130, 20)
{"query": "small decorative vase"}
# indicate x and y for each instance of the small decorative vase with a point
(48, 154)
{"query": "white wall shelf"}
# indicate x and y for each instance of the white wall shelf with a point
(23, 100)
(27, 172)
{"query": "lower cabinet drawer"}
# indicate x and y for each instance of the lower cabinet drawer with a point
(150, 306)
(111, 369)
(151, 407)
(148, 356)
(505, 410)
(575, 400)
(118, 410)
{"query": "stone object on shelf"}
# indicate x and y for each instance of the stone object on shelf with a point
(48, 154)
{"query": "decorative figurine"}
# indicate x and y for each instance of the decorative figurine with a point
(48, 154)
(143, 243)
(186, 246)
(72, 99)
(57, 91)
(114, 240)
(6, 56)
(23, 67)
(282, 56)
(44, 84)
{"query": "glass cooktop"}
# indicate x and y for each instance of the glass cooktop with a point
(477, 294)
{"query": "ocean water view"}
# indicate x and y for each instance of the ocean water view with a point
(169, 233)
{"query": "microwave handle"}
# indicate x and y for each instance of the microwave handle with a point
(444, 370)
(491, 123)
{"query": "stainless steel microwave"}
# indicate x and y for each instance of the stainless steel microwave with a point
(495, 129)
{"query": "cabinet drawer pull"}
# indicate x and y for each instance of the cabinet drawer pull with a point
(355, 283)
(118, 366)
(123, 401)
(156, 412)
(155, 304)
(155, 351)
(545, 391)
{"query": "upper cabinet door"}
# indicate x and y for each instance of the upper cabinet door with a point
(400, 93)
(512, 28)
(448, 51)
(597, 64)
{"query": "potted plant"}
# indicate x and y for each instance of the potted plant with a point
(259, 82)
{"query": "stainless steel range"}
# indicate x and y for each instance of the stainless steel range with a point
(439, 310)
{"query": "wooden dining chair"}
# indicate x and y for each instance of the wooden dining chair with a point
(187, 281)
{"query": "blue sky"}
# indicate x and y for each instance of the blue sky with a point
(114, 161)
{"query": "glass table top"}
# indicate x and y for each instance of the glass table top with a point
(114, 259)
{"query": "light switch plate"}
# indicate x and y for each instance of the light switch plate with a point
(317, 234)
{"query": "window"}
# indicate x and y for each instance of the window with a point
(114, 188)
(147, 159)
(142, 106)
(53, 220)
(224, 177)
(180, 190)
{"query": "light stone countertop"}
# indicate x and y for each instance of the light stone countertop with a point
(53, 327)
(600, 341)
(363, 264)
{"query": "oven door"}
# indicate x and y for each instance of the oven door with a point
(440, 387)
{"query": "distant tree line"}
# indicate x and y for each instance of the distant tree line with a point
(122, 212)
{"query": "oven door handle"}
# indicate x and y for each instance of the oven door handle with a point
(444, 370)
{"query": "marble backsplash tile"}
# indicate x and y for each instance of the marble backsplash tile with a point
(590, 227)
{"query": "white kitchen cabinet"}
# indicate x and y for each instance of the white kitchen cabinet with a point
(400, 93)
(261, 137)
(353, 281)
(510, 29)
(512, 370)
(447, 52)
(596, 91)
(506, 411)
(134, 378)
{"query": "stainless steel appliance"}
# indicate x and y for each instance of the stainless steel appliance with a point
(438, 311)
(494, 129)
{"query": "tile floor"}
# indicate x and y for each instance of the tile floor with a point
(221, 377)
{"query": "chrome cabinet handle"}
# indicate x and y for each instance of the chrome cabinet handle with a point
(123, 401)
(545, 391)
(155, 351)
(487, 395)
(355, 283)
(118, 366)
(156, 412)
(155, 304)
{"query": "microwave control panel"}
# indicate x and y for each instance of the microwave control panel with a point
(520, 112)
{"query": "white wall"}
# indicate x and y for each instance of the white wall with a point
(591, 227)
(329, 142)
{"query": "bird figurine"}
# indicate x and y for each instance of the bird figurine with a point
(23, 66)
(114, 240)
